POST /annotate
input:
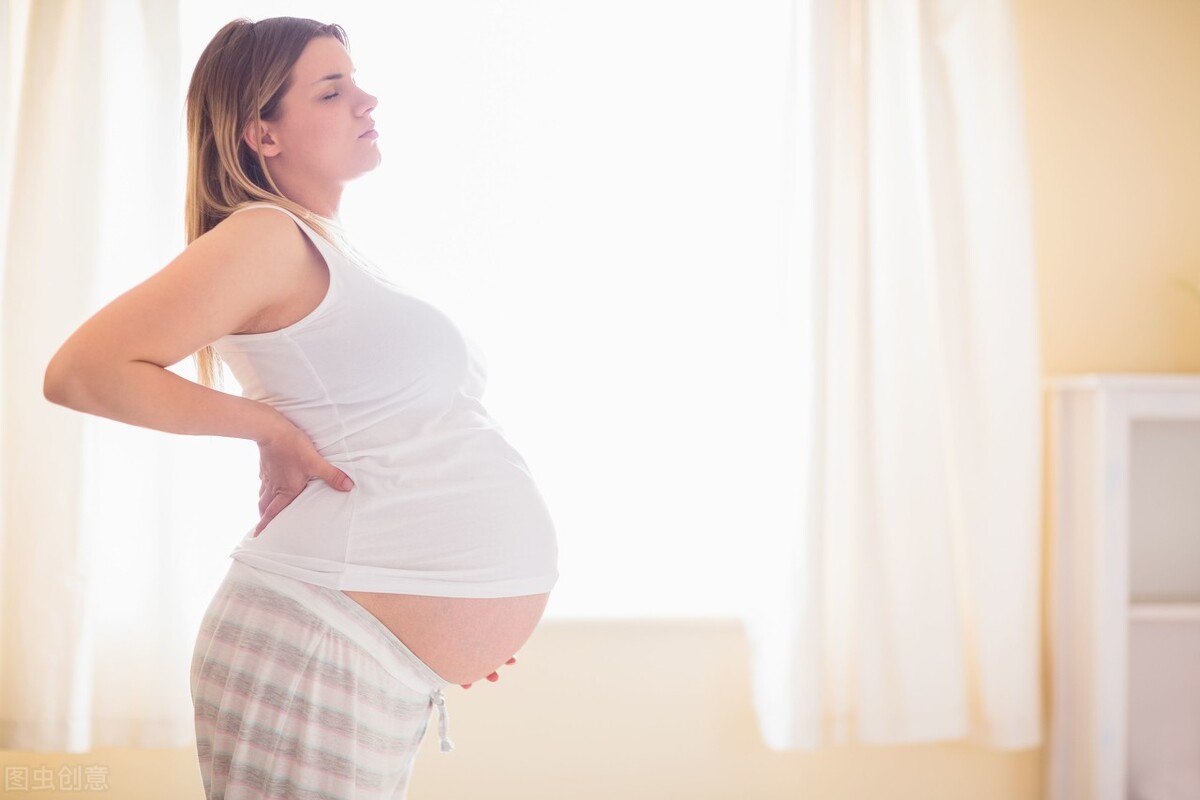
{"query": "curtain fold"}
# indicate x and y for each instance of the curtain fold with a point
(901, 590)
(99, 587)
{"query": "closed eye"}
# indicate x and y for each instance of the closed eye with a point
(330, 96)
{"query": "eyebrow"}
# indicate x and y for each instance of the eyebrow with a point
(336, 76)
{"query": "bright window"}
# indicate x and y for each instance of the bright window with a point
(592, 192)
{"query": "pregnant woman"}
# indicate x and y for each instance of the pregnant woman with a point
(402, 544)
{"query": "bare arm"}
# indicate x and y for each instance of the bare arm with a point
(145, 394)
(114, 365)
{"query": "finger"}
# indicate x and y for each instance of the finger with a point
(274, 507)
(267, 498)
(338, 479)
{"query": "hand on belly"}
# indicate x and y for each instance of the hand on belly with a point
(495, 676)
(462, 639)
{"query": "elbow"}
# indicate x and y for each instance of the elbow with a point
(57, 385)
(54, 387)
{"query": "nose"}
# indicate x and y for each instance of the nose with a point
(368, 102)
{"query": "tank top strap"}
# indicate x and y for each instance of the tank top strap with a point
(325, 246)
(344, 253)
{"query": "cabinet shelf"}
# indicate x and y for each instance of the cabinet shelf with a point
(1123, 546)
(1145, 611)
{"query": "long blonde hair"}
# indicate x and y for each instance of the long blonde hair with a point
(241, 78)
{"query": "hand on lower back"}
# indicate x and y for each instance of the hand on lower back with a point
(287, 462)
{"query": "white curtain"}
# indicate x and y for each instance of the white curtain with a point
(107, 552)
(903, 581)
(901, 596)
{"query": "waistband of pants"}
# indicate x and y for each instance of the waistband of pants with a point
(360, 626)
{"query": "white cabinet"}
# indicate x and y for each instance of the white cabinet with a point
(1124, 587)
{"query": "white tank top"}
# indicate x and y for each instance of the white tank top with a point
(389, 390)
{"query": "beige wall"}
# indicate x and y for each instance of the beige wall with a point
(662, 710)
(1114, 123)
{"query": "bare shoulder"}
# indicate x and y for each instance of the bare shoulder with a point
(224, 279)
(255, 234)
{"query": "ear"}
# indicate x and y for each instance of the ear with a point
(263, 141)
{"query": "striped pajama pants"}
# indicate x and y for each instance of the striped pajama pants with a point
(301, 693)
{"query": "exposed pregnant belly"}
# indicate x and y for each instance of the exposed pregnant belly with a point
(462, 639)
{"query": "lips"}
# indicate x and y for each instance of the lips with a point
(369, 132)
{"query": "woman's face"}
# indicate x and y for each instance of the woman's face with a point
(323, 114)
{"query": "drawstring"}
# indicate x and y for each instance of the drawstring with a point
(439, 700)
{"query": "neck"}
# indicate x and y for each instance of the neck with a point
(322, 200)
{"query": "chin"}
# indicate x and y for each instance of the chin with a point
(375, 163)
(364, 169)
